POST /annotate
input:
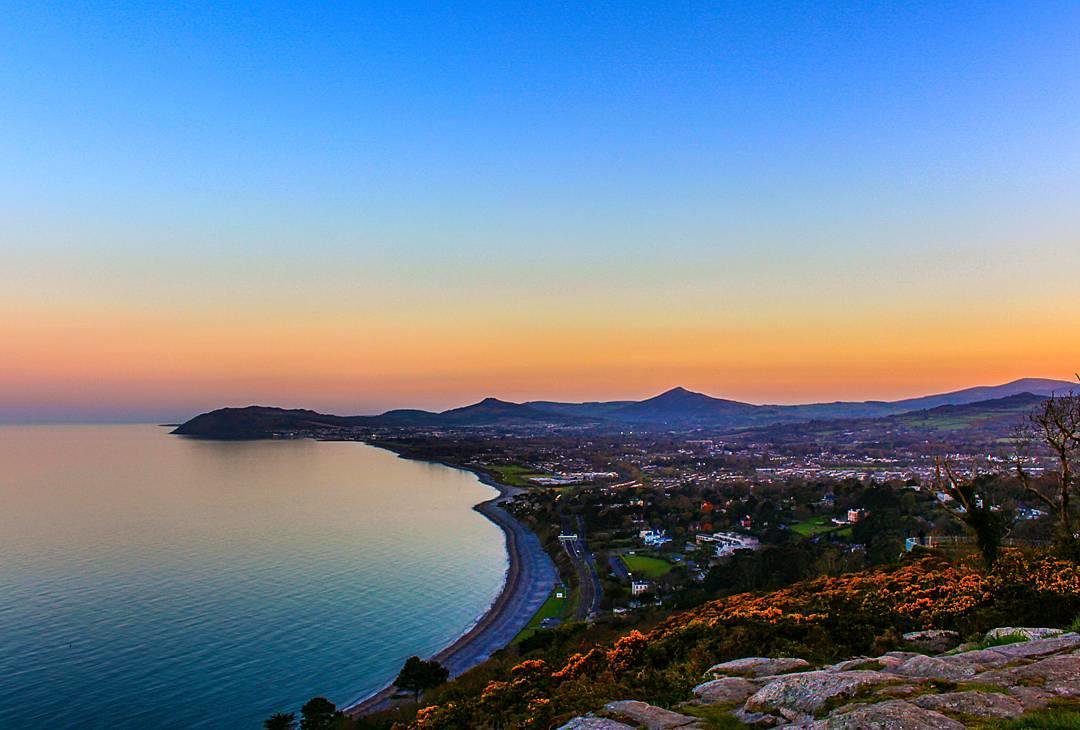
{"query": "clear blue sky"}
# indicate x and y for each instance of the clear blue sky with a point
(176, 105)
(630, 166)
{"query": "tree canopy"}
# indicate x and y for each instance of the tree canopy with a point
(280, 721)
(418, 675)
(318, 713)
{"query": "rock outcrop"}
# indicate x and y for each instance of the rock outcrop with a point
(650, 717)
(807, 693)
(933, 640)
(929, 667)
(973, 703)
(726, 690)
(757, 666)
(897, 690)
(891, 714)
(1026, 632)
(595, 723)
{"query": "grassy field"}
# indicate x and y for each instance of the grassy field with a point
(552, 608)
(643, 566)
(514, 475)
(820, 526)
(955, 418)
(813, 526)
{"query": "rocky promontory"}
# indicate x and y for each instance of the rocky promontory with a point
(1011, 673)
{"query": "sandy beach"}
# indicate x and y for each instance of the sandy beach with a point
(530, 578)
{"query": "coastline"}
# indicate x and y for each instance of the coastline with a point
(530, 577)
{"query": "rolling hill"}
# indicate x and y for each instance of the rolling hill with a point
(675, 409)
(255, 422)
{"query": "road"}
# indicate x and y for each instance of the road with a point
(585, 567)
(618, 568)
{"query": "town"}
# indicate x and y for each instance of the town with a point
(657, 521)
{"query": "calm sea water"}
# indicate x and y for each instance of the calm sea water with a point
(149, 580)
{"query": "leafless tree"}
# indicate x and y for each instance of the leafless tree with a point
(1057, 425)
(976, 508)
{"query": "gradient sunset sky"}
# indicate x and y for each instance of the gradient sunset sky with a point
(369, 205)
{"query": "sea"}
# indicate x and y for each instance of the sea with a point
(155, 581)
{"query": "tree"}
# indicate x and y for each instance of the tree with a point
(1057, 424)
(318, 713)
(882, 532)
(280, 721)
(977, 511)
(418, 675)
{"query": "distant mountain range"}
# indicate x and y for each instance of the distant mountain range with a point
(675, 409)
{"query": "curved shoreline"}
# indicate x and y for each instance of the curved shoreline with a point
(530, 578)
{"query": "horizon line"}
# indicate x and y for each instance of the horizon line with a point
(164, 421)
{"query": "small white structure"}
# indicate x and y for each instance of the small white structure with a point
(637, 587)
(654, 538)
(728, 542)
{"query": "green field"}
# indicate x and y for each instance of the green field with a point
(514, 475)
(553, 608)
(813, 526)
(643, 566)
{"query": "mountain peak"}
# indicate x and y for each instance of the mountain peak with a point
(488, 405)
(680, 405)
(680, 393)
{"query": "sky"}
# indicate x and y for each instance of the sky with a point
(359, 206)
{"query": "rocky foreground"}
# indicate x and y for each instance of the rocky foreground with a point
(936, 685)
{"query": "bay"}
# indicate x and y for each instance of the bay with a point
(149, 580)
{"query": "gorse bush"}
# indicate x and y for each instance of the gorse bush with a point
(823, 619)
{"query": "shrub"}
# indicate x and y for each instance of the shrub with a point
(823, 619)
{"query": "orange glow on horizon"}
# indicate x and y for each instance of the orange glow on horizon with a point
(179, 363)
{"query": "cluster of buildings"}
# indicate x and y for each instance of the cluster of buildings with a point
(580, 477)
(728, 542)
